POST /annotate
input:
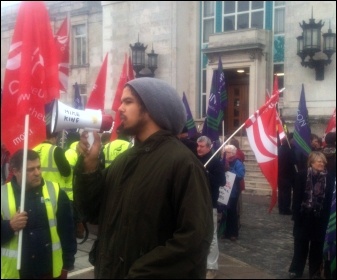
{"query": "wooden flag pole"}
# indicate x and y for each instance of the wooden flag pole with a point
(224, 143)
(23, 187)
(235, 132)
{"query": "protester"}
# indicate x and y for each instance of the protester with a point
(48, 243)
(72, 156)
(311, 210)
(54, 165)
(235, 166)
(329, 251)
(152, 204)
(315, 142)
(239, 153)
(330, 152)
(217, 178)
(241, 156)
(105, 138)
(286, 176)
(187, 141)
(112, 149)
(301, 158)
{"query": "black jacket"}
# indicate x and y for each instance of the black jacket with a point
(154, 211)
(307, 225)
(216, 175)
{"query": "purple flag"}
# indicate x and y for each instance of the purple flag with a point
(190, 124)
(216, 102)
(302, 130)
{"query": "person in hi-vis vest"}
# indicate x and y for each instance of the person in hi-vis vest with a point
(112, 149)
(48, 243)
(72, 156)
(54, 164)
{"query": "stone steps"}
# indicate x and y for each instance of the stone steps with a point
(255, 181)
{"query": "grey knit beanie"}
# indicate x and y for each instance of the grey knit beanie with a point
(162, 102)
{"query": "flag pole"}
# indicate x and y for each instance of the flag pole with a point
(235, 132)
(225, 142)
(285, 134)
(278, 115)
(23, 187)
(63, 138)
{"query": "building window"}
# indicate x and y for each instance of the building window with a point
(243, 14)
(208, 21)
(80, 44)
(279, 15)
(84, 95)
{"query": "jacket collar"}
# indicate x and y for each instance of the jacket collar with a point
(153, 141)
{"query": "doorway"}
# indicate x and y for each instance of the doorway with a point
(236, 112)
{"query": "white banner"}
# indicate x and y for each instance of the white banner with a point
(225, 191)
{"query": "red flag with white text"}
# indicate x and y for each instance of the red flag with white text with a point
(97, 96)
(126, 75)
(331, 127)
(261, 134)
(31, 77)
(62, 42)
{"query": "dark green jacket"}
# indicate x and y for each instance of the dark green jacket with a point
(154, 211)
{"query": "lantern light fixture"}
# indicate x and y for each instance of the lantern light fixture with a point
(309, 43)
(138, 60)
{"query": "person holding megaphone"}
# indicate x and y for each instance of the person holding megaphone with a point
(152, 204)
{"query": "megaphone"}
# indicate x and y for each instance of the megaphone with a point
(66, 117)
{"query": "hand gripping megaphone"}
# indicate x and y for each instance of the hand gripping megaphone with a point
(66, 117)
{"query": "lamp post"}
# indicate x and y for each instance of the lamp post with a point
(309, 43)
(138, 60)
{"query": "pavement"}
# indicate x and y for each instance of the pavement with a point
(263, 250)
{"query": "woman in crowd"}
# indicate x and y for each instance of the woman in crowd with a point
(234, 165)
(311, 209)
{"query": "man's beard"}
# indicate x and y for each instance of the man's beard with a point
(132, 130)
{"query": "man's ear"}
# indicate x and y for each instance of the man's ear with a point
(16, 171)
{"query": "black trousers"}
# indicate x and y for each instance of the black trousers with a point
(301, 249)
(232, 226)
(284, 194)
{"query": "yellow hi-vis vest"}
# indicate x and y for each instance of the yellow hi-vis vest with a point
(72, 157)
(113, 149)
(49, 168)
(9, 251)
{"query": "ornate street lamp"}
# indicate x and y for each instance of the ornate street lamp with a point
(138, 60)
(309, 43)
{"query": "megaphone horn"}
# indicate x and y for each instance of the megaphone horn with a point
(66, 117)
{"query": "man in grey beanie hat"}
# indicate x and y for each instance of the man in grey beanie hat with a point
(153, 203)
(162, 102)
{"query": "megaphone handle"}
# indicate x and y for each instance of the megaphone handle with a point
(90, 138)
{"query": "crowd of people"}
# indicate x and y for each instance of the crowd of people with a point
(154, 197)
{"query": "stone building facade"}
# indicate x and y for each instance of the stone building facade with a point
(176, 31)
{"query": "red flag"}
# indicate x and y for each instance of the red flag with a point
(97, 96)
(126, 75)
(31, 77)
(331, 127)
(62, 42)
(262, 138)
